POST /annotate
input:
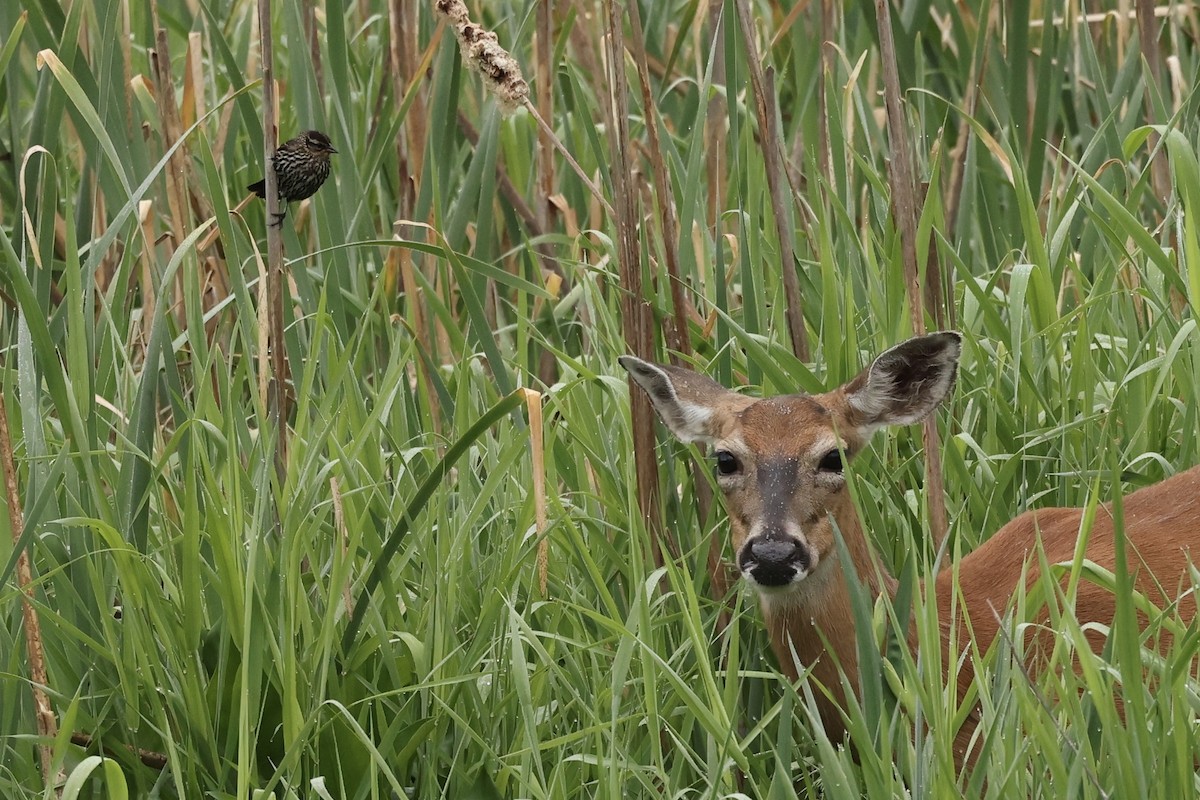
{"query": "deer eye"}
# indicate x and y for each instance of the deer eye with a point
(727, 463)
(831, 462)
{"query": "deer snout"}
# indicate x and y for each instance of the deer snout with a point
(774, 561)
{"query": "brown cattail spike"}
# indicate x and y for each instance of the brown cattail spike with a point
(482, 51)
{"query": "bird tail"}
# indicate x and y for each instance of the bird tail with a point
(259, 188)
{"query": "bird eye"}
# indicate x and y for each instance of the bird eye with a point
(727, 463)
(831, 462)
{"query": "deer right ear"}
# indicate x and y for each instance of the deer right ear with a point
(695, 408)
(905, 384)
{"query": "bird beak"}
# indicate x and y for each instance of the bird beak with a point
(332, 149)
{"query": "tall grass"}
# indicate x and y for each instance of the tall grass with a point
(195, 603)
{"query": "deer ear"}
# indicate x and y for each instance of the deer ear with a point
(693, 407)
(905, 383)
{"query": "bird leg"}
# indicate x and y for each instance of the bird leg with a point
(278, 223)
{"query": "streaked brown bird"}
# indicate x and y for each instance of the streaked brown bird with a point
(301, 166)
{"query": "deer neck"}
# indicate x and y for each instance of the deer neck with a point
(816, 620)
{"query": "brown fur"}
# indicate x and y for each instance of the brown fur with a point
(1162, 537)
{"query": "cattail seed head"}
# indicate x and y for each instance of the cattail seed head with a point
(481, 50)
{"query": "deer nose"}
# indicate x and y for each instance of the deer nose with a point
(774, 560)
(774, 551)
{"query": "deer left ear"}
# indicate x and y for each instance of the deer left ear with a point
(906, 383)
(695, 408)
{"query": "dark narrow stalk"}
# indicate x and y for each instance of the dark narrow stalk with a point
(935, 298)
(826, 70)
(900, 169)
(678, 340)
(904, 213)
(716, 118)
(635, 312)
(958, 159)
(715, 128)
(547, 368)
(176, 173)
(676, 332)
(309, 12)
(781, 201)
(543, 77)
(405, 69)
(1160, 173)
(277, 395)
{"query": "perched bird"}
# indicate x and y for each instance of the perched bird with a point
(301, 166)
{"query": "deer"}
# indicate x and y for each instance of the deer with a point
(780, 466)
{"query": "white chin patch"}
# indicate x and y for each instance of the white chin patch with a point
(801, 583)
(798, 577)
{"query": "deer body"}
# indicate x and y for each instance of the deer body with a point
(779, 467)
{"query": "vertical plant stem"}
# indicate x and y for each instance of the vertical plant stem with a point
(678, 339)
(547, 369)
(1160, 174)
(826, 72)
(277, 395)
(715, 126)
(543, 77)
(176, 174)
(47, 724)
(904, 213)
(676, 332)
(934, 291)
(635, 311)
(313, 32)
(781, 203)
(405, 54)
(900, 170)
(533, 400)
(716, 117)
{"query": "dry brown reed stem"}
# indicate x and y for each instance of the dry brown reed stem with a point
(823, 155)
(678, 339)
(193, 107)
(533, 401)
(547, 369)
(635, 312)
(1160, 174)
(958, 156)
(277, 394)
(47, 724)
(715, 121)
(308, 11)
(677, 331)
(178, 164)
(544, 70)
(904, 212)
(900, 169)
(408, 66)
(781, 202)
(146, 259)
